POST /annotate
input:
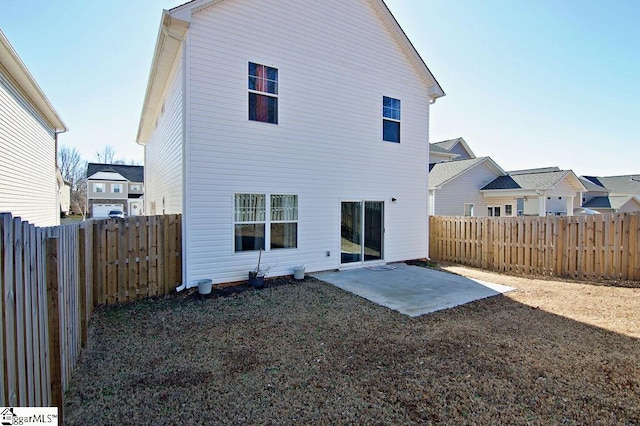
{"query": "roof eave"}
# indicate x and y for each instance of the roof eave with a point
(435, 90)
(166, 49)
(19, 72)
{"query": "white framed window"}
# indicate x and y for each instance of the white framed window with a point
(263, 93)
(493, 211)
(263, 220)
(98, 187)
(468, 209)
(284, 221)
(390, 119)
(116, 188)
(250, 218)
(135, 187)
(508, 210)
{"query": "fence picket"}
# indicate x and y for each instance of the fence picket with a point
(603, 246)
(51, 279)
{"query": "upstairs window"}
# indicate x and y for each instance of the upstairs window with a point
(390, 119)
(117, 188)
(98, 187)
(263, 93)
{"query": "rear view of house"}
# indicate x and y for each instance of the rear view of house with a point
(296, 128)
(28, 143)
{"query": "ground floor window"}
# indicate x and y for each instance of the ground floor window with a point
(262, 220)
(493, 211)
(468, 209)
(508, 210)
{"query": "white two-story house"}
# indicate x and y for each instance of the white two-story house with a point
(296, 128)
(29, 128)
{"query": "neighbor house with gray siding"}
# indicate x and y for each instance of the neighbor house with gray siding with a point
(295, 128)
(454, 188)
(28, 144)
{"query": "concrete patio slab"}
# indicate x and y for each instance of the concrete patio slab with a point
(412, 290)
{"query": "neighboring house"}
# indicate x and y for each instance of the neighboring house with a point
(456, 146)
(536, 192)
(64, 194)
(114, 187)
(612, 194)
(29, 127)
(454, 188)
(298, 128)
(439, 155)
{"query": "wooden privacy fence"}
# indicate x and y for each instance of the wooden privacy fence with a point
(52, 279)
(598, 247)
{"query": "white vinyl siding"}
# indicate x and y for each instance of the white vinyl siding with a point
(27, 160)
(451, 198)
(326, 146)
(163, 153)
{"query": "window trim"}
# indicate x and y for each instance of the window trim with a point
(267, 222)
(493, 211)
(385, 118)
(505, 210)
(101, 185)
(465, 209)
(275, 95)
(117, 185)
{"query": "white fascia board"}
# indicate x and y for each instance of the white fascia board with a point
(389, 21)
(490, 193)
(166, 53)
(107, 176)
(18, 71)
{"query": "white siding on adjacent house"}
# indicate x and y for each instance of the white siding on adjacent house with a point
(335, 62)
(163, 171)
(450, 199)
(27, 160)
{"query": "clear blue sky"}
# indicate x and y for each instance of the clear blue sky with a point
(531, 83)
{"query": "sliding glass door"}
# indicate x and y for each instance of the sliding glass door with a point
(362, 229)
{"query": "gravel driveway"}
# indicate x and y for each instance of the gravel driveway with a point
(307, 352)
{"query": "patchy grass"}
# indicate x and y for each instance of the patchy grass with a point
(307, 352)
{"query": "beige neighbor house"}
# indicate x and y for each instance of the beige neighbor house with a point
(545, 191)
(295, 128)
(114, 187)
(29, 127)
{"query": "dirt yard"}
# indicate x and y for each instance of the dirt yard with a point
(306, 352)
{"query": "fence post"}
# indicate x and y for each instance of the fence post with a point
(82, 282)
(54, 326)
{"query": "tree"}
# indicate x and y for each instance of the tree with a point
(107, 155)
(79, 198)
(74, 171)
(70, 163)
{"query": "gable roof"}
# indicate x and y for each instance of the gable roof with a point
(441, 173)
(131, 173)
(622, 185)
(536, 180)
(592, 184)
(17, 70)
(598, 202)
(449, 144)
(175, 23)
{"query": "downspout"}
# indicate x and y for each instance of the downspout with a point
(166, 32)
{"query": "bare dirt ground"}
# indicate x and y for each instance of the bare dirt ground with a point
(552, 352)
